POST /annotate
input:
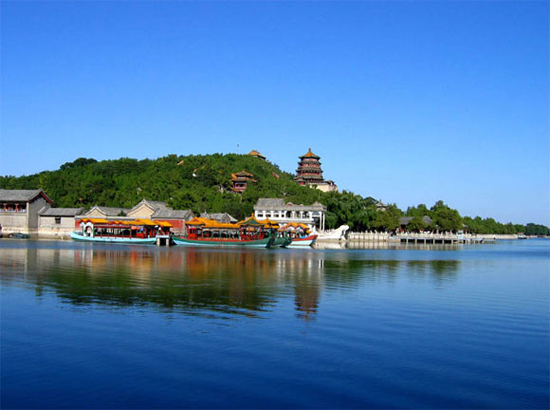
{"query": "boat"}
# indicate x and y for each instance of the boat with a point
(249, 233)
(139, 231)
(18, 235)
(300, 242)
(299, 233)
(336, 235)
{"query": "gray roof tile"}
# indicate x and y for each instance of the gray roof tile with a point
(167, 213)
(60, 211)
(23, 195)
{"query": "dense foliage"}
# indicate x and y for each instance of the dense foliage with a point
(203, 183)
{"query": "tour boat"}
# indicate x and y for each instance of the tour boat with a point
(250, 233)
(303, 241)
(299, 233)
(139, 231)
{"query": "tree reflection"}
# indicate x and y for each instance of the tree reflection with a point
(224, 282)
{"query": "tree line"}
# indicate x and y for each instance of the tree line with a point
(203, 183)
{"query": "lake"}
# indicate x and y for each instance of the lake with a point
(116, 326)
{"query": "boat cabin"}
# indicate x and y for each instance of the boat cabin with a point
(136, 229)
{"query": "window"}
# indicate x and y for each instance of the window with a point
(57, 220)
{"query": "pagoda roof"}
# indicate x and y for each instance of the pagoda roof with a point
(255, 153)
(242, 176)
(307, 177)
(251, 221)
(310, 154)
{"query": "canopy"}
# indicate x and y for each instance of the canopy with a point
(164, 224)
(269, 223)
(292, 226)
(211, 223)
(250, 222)
(95, 220)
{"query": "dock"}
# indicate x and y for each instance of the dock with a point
(421, 238)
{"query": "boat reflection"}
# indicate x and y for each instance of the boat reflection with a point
(200, 281)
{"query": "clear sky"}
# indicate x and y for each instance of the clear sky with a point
(408, 102)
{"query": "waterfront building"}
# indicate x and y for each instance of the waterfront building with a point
(19, 209)
(239, 180)
(145, 209)
(277, 210)
(255, 153)
(309, 172)
(175, 217)
(106, 212)
(57, 222)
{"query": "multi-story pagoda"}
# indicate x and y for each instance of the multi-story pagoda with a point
(309, 169)
(239, 180)
(309, 172)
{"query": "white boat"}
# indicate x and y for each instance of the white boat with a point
(336, 235)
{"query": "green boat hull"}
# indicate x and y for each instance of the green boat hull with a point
(260, 243)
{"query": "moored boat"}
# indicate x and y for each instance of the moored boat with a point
(139, 231)
(299, 242)
(299, 235)
(249, 233)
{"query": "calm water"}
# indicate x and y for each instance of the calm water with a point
(104, 326)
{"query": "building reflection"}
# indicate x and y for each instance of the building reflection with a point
(195, 281)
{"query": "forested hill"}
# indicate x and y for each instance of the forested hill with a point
(197, 182)
(203, 183)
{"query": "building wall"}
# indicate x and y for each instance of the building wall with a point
(178, 225)
(14, 222)
(95, 214)
(143, 212)
(32, 210)
(48, 228)
(326, 187)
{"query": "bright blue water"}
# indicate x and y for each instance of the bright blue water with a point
(97, 326)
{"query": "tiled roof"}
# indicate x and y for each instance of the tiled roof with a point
(263, 202)
(109, 211)
(310, 154)
(167, 213)
(256, 154)
(220, 217)
(152, 204)
(278, 204)
(60, 211)
(23, 195)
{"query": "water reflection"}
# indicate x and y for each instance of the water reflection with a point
(204, 281)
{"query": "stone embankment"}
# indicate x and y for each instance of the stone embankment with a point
(431, 237)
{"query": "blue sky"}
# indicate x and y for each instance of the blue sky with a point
(408, 102)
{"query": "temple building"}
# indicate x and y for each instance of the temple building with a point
(277, 210)
(255, 153)
(309, 172)
(240, 180)
(154, 210)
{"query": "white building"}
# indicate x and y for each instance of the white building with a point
(276, 210)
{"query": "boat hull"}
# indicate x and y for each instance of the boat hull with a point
(303, 242)
(260, 243)
(282, 242)
(138, 241)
